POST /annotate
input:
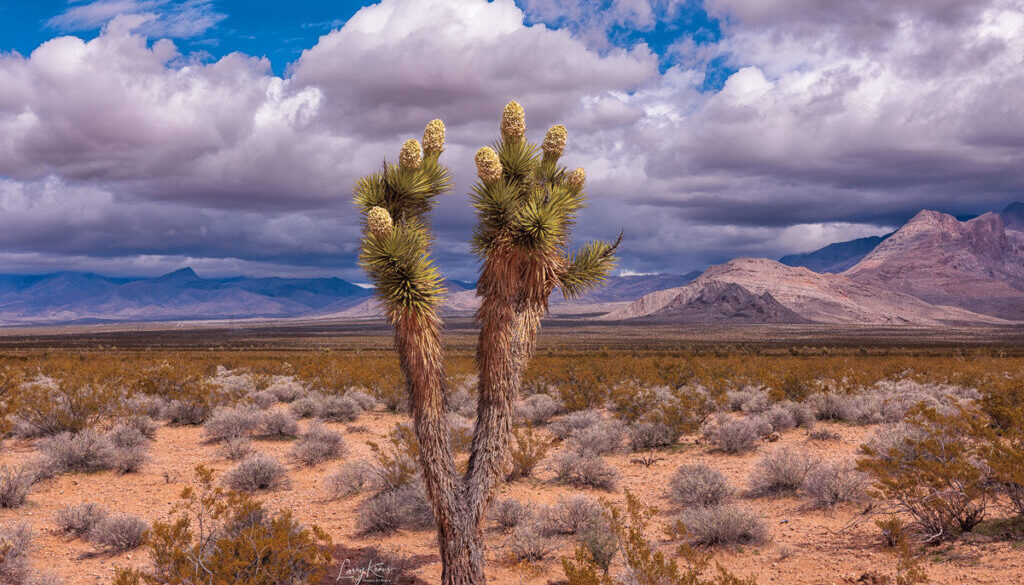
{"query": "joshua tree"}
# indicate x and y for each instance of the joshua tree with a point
(526, 204)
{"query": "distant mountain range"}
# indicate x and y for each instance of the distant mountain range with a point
(935, 270)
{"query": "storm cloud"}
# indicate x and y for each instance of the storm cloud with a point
(837, 120)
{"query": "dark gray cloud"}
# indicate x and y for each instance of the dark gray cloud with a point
(842, 120)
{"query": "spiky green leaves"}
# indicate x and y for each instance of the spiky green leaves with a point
(404, 277)
(378, 222)
(554, 142)
(411, 156)
(588, 267)
(513, 122)
(433, 137)
(488, 166)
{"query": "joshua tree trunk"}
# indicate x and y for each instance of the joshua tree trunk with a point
(526, 204)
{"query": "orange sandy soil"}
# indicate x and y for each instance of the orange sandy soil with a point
(806, 547)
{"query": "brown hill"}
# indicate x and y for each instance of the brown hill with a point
(813, 297)
(974, 265)
(724, 302)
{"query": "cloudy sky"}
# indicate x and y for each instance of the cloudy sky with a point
(140, 136)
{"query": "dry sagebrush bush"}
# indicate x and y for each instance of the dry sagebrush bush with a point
(257, 472)
(824, 435)
(527, 544)
(528, 449)
(574, 421)
(626, 533)
(570, 515)
(15, 546)
(87, 451)
(72, 401)
(732, 435)
(230, 422)
(601, 438)
(277, 424)
(783, 470)
(222, 537)
(509, 513)
(403, 508)
(749, 400)
(832, 484)
(318, 444)
(585, 470)
(15, 484)
(236, 448)
(349, 480)
(80, 519)
(118, 534)
(664, 414)
(699, 485)
(644, 436)
(536, 409)
(726, 525)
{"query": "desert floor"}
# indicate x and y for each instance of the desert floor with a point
(806, 547)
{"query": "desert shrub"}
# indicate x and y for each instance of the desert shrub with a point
(390, 510)
(580, 387)
(780, 471)
(226, 423)
(574, 421)
(527, 544)
(277, 424)
(80, 519)
(190, 394)
(699, 485)
(462, 397)
(894, 531)
(263, 399)
(145, 405)
(118, 534)
(600, 544)
(536, 409)
(780, 418)
(15, 545)
(585, 470)
(185, 412)
(644, 563)
(87, 451)
(338, 409)
(571, 515)
(726, 525)
(461, 429)
(830, 406)
(129, 448)
(68, 403)
(732, 435)
(749, 400)
(141, 423)
(15, 484)
(236, 448)
(803, 415)
(824, 435)
(348, 480)
(832, 484)
(509, 514)
(650, 435)
(222, 537)
(395, 463)
(933, 470)
(285, 389)
(318, 444)
(364, 400)
(665, 413)
(1004, 453)
(601, 438)
(257, 472)
(528, 449)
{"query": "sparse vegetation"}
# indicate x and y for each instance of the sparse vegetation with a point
(15, 484)
(585, 470)
(257, 472)
(79, 520)
(725, 525)
(318, 444)
(118, 534)
(528, 449)
(780, 471)
(732, 435)
(698, 485)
